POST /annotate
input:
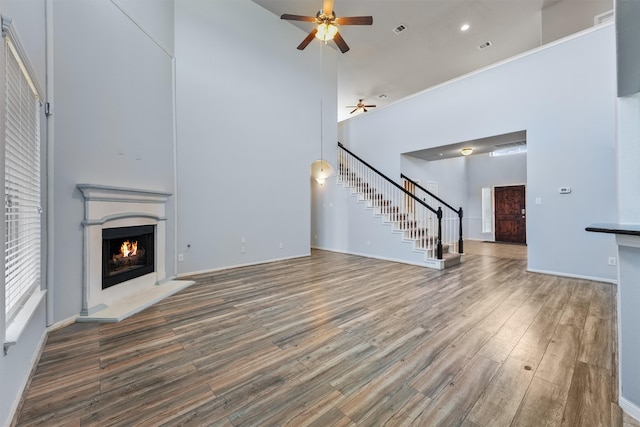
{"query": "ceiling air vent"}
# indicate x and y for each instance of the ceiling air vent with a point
(484, 45)
(400, 28)
(509, 148)
(510, 144)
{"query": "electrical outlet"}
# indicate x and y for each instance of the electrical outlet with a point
(612, 260)
(281, 245)
(180, 257)
(242, 250)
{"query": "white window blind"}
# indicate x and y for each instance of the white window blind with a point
(21, 183)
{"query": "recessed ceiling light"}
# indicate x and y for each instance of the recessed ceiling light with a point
(464, 27)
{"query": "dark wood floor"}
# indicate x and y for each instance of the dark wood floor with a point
(339, 340)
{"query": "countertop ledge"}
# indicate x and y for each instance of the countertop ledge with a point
(612, 228)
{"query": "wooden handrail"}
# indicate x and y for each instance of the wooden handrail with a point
(408, 193)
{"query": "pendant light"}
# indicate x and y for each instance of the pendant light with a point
(321, 169)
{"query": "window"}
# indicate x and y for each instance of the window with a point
(487, 211)
(22, 212)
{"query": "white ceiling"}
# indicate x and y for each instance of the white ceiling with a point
(433, 49)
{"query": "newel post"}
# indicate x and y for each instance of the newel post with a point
(439, 245)
(460, 245)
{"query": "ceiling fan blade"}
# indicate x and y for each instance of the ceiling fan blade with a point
(355, 20)
(327, 6)
(353, 111)
(297, 18)
(364, 109)
(342, 45)
(307, 39)
(370, 106)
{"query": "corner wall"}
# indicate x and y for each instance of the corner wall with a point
(248, 120)
(113, 113)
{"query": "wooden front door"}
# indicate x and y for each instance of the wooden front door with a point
(510, 214)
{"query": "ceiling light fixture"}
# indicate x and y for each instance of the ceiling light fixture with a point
(326, 32)
(321, 169)
(466, 151)
(464, 27)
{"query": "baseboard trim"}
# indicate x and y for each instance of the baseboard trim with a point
(17, 404)
(629, 408)
(229, 267)
(61, 324)
(573, 276)
(401, 261)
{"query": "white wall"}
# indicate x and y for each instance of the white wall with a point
(28, 19)
(563, 95)
(628, 27)
(113, 112)
(628, 157)
(248, 108)
(628, 326)
(449, 174)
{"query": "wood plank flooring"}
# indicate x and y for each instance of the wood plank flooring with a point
(341, 340)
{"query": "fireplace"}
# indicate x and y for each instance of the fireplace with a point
(112, 217)
(127, 253)
(119, 221)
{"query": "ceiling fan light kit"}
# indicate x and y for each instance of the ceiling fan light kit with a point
(326, 32)
(327, 22)
(466, 151)
(360, 107)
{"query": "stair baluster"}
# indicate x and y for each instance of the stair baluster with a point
(417, 220)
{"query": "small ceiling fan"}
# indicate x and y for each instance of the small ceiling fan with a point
(360, 107)
(327, 25)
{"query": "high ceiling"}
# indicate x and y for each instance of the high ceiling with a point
(383, 67)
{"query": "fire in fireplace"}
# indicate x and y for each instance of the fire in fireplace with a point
(127, 253)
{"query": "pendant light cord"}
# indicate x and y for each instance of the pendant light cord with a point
(321, 158)
(321, 92)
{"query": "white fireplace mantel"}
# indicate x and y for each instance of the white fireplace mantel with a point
(110, 207)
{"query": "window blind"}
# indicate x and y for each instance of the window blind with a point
(22, 184)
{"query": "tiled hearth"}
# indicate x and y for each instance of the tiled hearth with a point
(109, 207)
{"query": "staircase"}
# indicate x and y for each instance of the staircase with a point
(408, 214)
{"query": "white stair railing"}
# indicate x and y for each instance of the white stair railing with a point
(451, 217)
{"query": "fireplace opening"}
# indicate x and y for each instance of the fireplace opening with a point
(127, 253)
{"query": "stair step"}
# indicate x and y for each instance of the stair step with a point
(451, 259)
